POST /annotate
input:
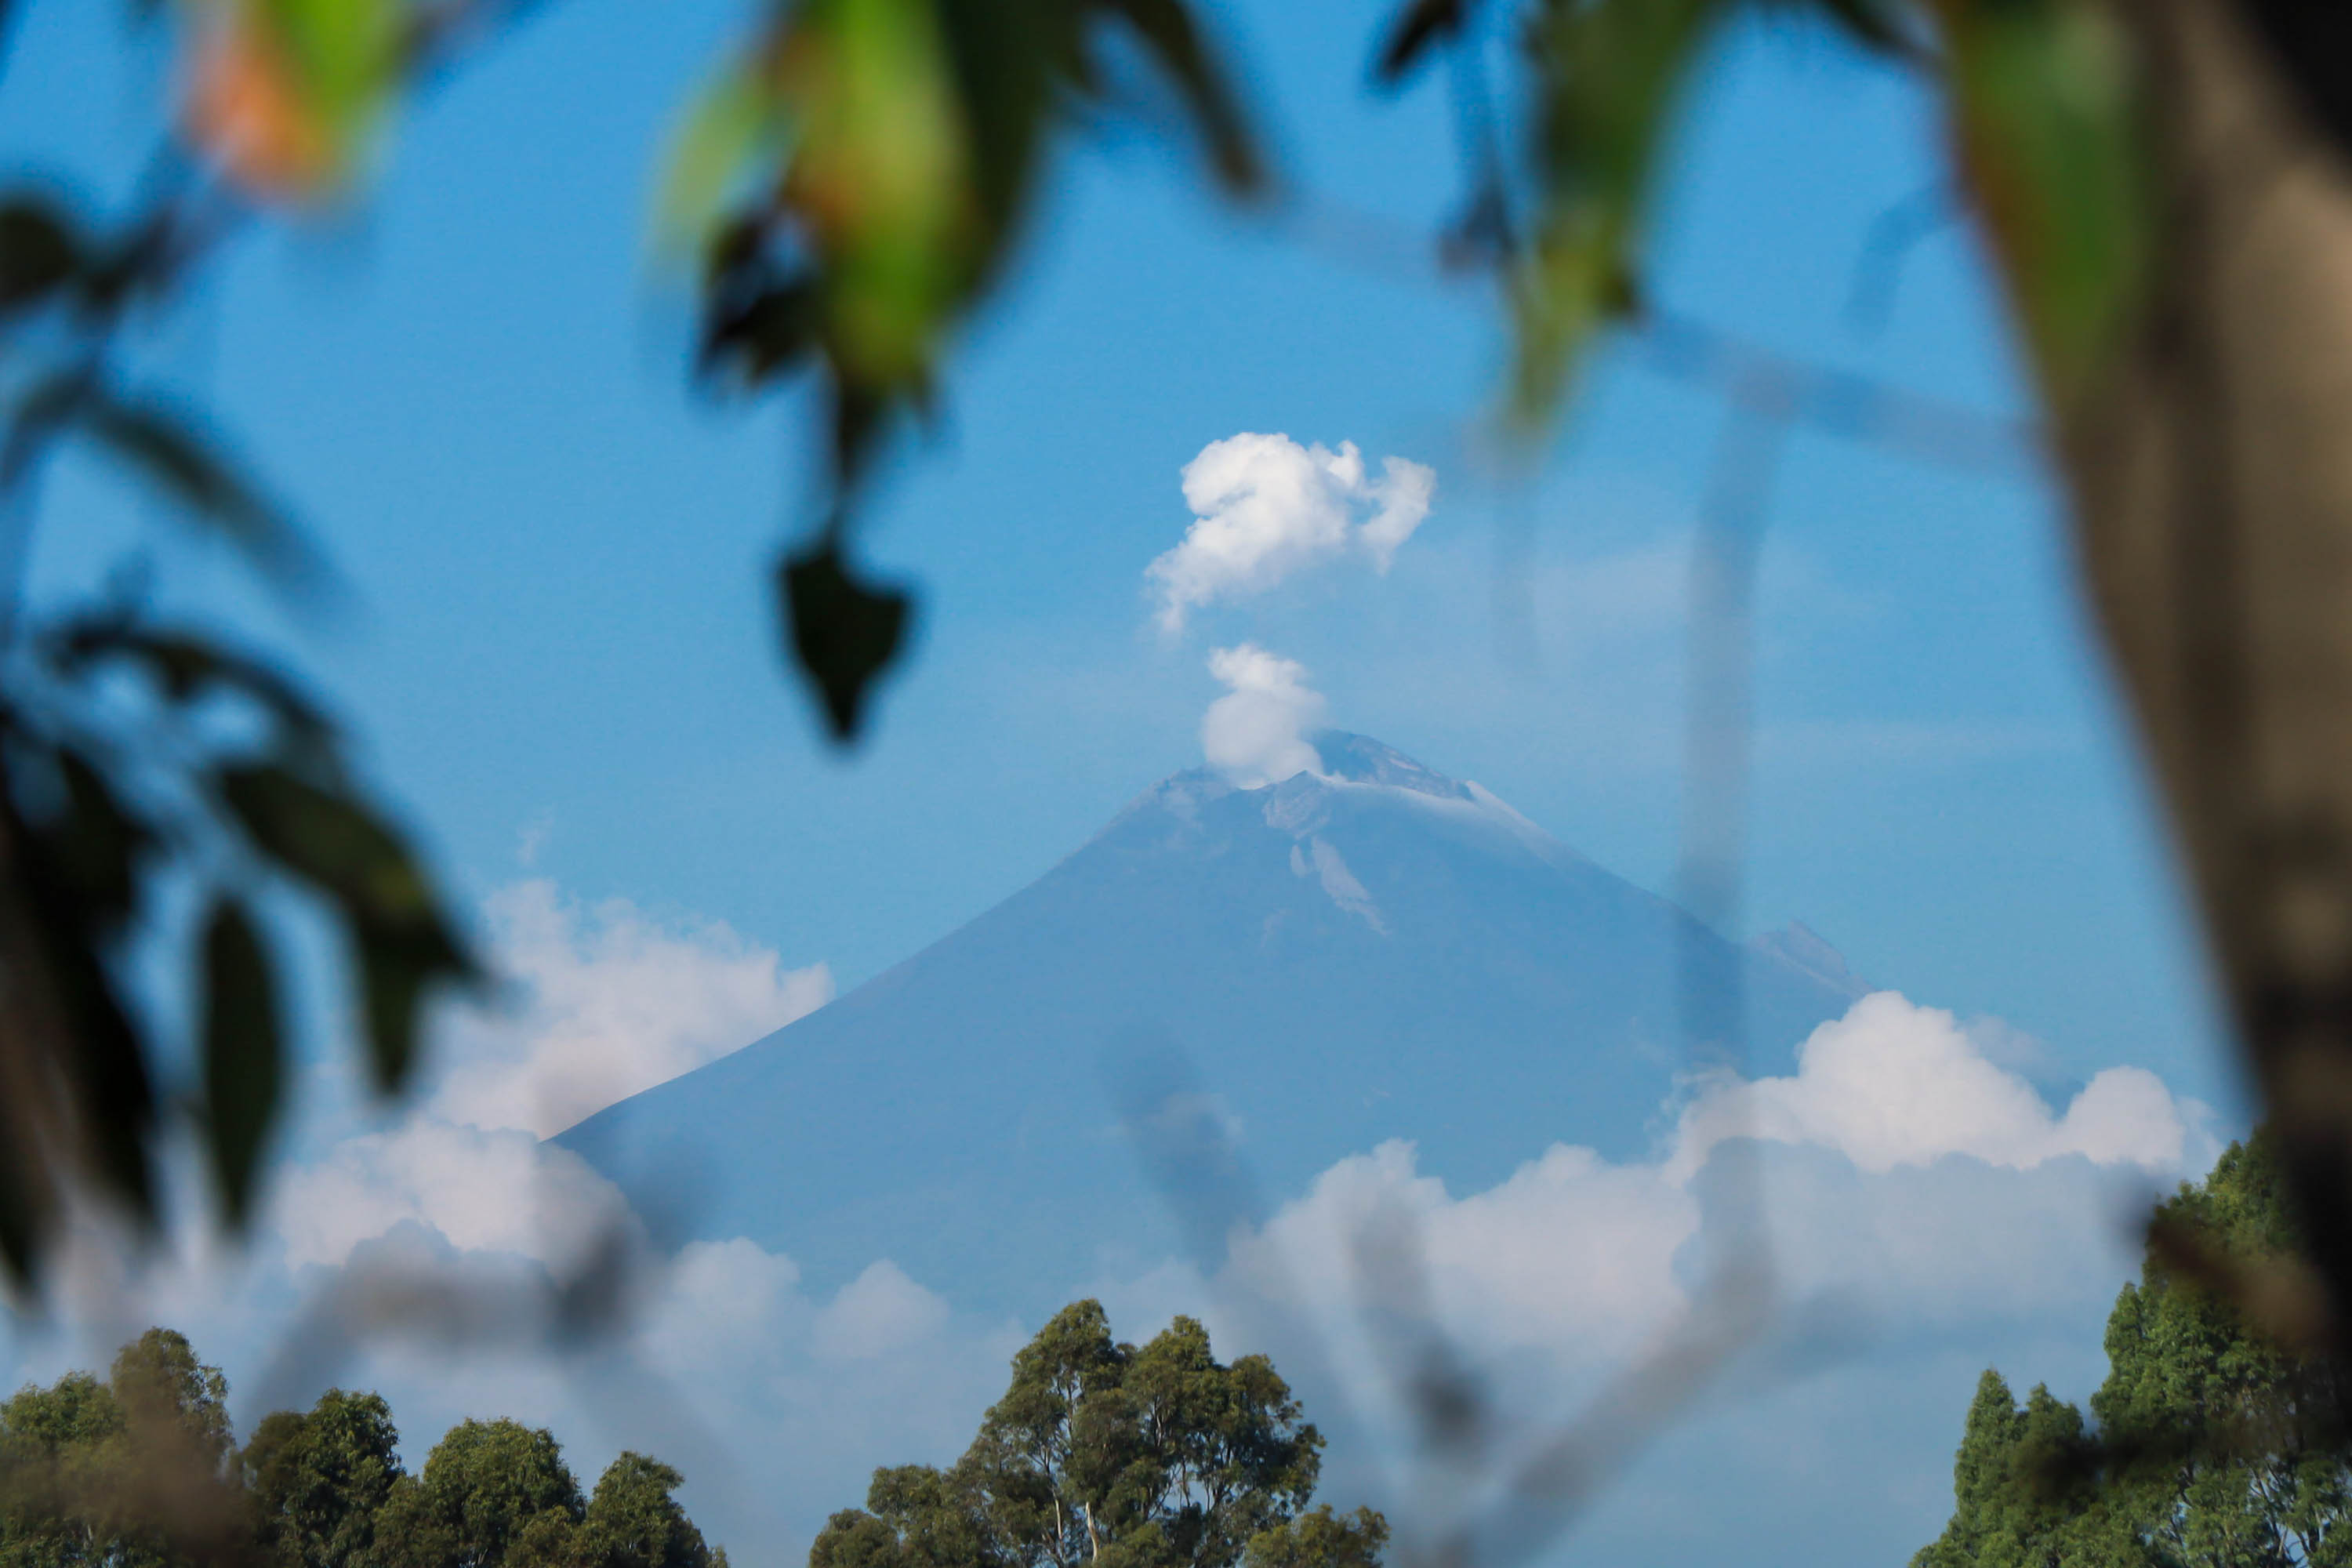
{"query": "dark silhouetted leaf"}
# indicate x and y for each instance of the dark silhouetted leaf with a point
(844, 632)
(396, 967)
(1166, 28)
(1420, 28)
(20, 1226)
(2311, 42)
(773, 330)
(185, 665)
(1875, 25)
(37, 251)
(244, 1052)
(860, 418)
(103, 1069)
(181, 462)
(97, 844)
(328, 841)
(401, 942)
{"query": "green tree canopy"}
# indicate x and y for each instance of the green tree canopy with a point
(483, 1488)
(634, 1520)
(317, 1477)
(128, 1473)
(1102, 1453)
(2207, 1447)
(140, 1471)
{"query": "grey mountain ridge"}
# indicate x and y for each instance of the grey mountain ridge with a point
(1369, 952)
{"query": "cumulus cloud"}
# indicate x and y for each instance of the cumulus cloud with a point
(1894, 1084)
(880, 1313)
(1256, 733)
(1906, 1171)
(498, 1190)
(1903, 1171)
(600, 1001)
(604, 1001)
(475, 1231)
(1266, 508)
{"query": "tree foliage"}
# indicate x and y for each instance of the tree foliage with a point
(2208, 1445)
(854, 181)
(141, 1471)
(1100, 1452)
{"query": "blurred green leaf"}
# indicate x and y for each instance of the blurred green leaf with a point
(2052, 130)
(38, 251)
(401, 941)
(346, 55)
(879, 179)
(244, 1052)
(1609, 74)
(182, 462)
(845, 633)
(286, 93)
(736, 128)
(879, 156)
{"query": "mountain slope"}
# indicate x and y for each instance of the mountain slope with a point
(1374, 952)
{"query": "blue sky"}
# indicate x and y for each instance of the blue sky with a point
(564, 661)
(473, 386)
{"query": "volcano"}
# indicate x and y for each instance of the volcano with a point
(1366, 952)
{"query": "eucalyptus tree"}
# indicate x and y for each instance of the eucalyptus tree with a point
(1102, 1452)
(2208, 1445)
(317, 1479)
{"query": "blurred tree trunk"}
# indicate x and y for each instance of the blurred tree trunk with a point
(2212, 479)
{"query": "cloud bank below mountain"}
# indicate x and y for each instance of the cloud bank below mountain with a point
(1907, 1176)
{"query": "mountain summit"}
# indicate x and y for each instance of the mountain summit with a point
(1370, 952)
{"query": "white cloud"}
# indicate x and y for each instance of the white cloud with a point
(1893, 1084)
(879, 1313)
(1265, 506)
(498, 1189)
(601, 1003)
(1902, 1172)
(1256, 733)
(607, 1001)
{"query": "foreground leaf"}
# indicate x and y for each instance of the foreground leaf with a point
(1170, 31)
(1420, 28)
(845, 633)
(1610, 72)
(244, 1053)
(735, 129)
(37, 251)
(103, 1071)
(284, 94)
(185, 665)
(2048, 112)
(183, 463)
(401, 943)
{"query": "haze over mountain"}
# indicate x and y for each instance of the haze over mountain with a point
(1366, 953)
